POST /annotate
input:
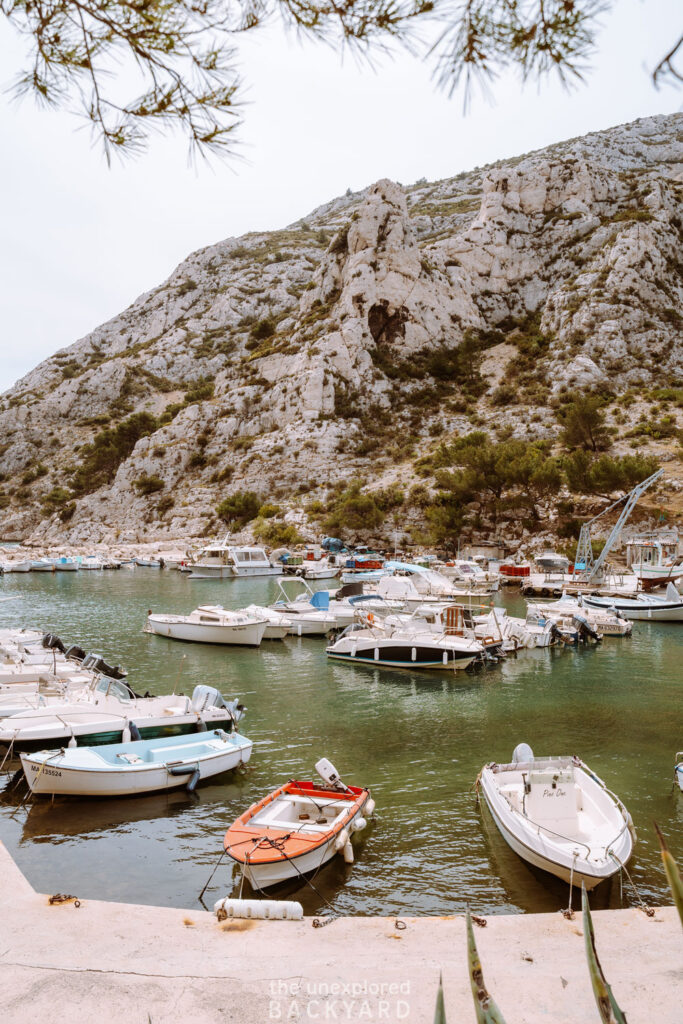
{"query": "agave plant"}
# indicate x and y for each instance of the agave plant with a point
(607, 1004)
(673, 875)
(484, 1005)
(440, 1011)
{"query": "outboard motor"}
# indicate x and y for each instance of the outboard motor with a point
(96, 663)
(330, 776)
(52, 642)
(522, 753)
(75, 653)
(586, 631)
(204, 697)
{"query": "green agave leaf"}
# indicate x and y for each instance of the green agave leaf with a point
(485, 1006)
(440, 1011)
(607, 1004)
(673, 874)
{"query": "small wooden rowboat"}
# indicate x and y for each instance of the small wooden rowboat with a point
(296, 829)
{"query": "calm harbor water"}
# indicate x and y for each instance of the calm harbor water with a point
(417, 739)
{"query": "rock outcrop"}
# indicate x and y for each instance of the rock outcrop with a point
(265, 362)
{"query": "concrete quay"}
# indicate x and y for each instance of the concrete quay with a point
(131, 964)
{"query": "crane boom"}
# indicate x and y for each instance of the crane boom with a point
(592, 568)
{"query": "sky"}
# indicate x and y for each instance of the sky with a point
(80, 241)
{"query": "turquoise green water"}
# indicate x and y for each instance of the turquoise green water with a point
(418, 740)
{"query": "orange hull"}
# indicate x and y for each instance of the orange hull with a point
(254, 841)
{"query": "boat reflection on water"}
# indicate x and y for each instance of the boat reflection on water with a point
(65, 818)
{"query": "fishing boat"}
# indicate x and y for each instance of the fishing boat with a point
(148, 563)
(653, 558)
(91, 562)
(211, 624)
(103, 712)
(556, 814)
(297, 828)
(141, 766)
(650, 607)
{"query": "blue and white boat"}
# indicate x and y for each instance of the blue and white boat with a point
(140, 766)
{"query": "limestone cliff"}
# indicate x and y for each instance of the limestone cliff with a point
(283, 361)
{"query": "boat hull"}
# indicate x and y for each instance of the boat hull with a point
(54, 776)
(247, 634)
(405, 656)
(640, 611)
(275, 854)
(89, 734)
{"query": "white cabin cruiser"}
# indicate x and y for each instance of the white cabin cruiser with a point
(555, 813)
(397, 641)
(211, 624)
(229, 561)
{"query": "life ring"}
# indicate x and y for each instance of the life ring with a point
(371, 618)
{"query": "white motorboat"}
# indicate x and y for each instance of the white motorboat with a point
(211, 624)
(398, 641)
(278, 625)
(229, 561)
(148, 563)
(42, 565)
(309, 612)
(648, 607)
(16, 565)
(91, 562)
(105, 711)
(64, 563)
(466, 571)
(142, 766)
(556, 813)
(603, 620)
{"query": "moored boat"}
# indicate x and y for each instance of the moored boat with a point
(211, 624)
(555, 813)
(649, 607)
(297, 828)
(141, 766)
(102, 713)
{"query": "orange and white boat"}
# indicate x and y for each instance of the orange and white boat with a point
(297, 828)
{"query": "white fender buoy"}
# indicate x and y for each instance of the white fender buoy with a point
(125, 734)
(259, 910)
(348, 853)
(358, 824)
(370, 807)
(341, 840)
(72, 742)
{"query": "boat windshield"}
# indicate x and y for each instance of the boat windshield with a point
(113, 688)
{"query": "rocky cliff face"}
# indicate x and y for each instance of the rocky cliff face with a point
(349, 342)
